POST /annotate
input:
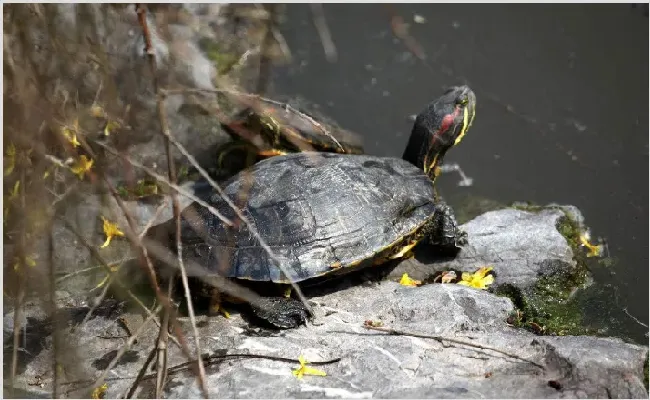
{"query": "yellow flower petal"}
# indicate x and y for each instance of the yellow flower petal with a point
(480, 279)
(110, 230)
(484, 271)
(314, 372)
(14, 192)
(305, 370)
(71, 135)
(110, 126)
(97, 111)
(465, 282)
(99, 392)
(593, 250)
(103, 282)
(81, 166)
(107, 242)
(10, 159)
(11, 150)
(488, 280)
(407, 281)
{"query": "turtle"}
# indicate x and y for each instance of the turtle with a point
(268, 128)
(326, 213)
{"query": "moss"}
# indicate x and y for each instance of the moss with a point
(141, 189)
(528, 206)
(549, 307)
(224, 60)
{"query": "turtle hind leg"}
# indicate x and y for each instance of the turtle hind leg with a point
(444, 231)
(281, 312)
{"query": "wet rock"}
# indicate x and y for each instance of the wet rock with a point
(367, 363)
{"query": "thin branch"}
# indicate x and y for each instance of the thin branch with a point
(284, 47)
(244, 57)
(95, 254)
(634, 318)
(400, 30)
(56, 331)
(77, 272)
(164, 126)
(153, 219)
(208, 358)
(229, 202)
(213, 358)
(143, 370)
(251, 228)
(164, 180)
(251, 103)
(265, 53)
(20, 295)
(323, 31)
(100, 380)
(161, 348)
(392, 331)
(224, 285)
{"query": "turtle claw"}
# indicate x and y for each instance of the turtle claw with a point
(281, 312)
(461, 238)
(446, 233)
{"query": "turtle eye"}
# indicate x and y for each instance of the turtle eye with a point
(463, 101)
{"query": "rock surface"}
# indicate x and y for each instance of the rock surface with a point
(520, 245)
(371, 364)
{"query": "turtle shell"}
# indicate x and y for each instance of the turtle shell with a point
(320, 213)
(287, 129)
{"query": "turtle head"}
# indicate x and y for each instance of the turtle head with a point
(439, 127)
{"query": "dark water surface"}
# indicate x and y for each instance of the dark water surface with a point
(575, 77)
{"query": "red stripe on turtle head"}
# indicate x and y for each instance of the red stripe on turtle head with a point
(447, 121)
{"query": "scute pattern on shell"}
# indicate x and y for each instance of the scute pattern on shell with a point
(315, 211)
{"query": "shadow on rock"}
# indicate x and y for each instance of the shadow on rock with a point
(36, 332)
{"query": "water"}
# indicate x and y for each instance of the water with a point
(577, 73)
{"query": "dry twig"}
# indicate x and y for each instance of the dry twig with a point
(392, 331)
(265, 50)
(324, 32)
(164, 125)
(100, 380)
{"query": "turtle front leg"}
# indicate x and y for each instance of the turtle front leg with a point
(444, 231)
(281, 312)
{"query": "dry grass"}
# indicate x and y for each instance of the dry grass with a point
(86, 88)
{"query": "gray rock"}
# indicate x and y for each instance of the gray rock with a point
(70, 255)
(176, 34)
(521, 246)
(372, 364)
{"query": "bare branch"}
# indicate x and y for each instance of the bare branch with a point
(324, 32)
(164, 125)
(100, 380)
(392, 331)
